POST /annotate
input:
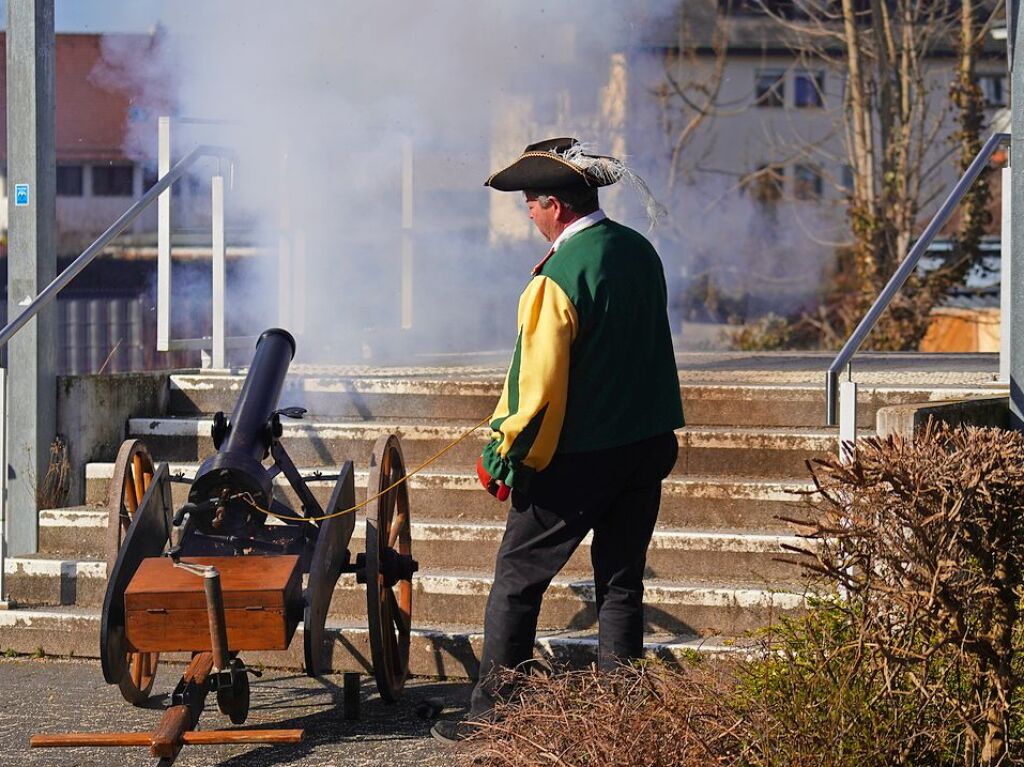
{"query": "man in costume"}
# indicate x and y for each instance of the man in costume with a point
(583, 432)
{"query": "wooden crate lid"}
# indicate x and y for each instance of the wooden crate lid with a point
(249, 581)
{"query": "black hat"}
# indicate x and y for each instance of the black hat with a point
(557, 163)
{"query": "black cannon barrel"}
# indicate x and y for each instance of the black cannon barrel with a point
(260, 394)
(238, 465)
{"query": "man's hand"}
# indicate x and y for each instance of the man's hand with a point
(495, 487)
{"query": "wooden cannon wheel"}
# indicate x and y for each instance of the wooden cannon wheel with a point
(128, 543)
(330, 555)
(389, 569)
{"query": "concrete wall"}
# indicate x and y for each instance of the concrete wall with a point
(92, 414)
(905, 420)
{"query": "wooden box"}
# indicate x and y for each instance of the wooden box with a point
(165, 606)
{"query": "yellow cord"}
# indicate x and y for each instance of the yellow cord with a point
(247, 497)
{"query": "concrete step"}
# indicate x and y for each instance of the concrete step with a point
(441, 650)
(778, 452)
(438, 544)
(699, 502)
(404, 395)
(395, 396)
(696, 607)
(76, 532)
(678, 607)
(42, 580)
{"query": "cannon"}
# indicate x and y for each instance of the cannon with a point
(236, 568)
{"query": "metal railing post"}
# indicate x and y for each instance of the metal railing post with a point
(163, 240)
(847, 419)
(219, 272)
(1005, 270)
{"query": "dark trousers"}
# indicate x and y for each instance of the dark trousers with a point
(616, 493)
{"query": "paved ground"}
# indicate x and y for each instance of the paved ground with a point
(53, 695)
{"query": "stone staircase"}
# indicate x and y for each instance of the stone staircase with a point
(714, 569)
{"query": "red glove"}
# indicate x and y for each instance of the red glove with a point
(495, 487)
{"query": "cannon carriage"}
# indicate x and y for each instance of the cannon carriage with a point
(236, 568)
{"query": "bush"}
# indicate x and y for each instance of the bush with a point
(925, 537)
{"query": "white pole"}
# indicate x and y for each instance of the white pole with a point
(284, 275)
(219, 272)
(1005, 269)
(407, 245)
(163, 240)
(847, 420)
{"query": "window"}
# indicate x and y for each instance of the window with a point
(765, 184)
(808, 89)
(993, 87)
(112, 180)
(770, 87)
(69, 180)
(807, 183)
(846, 178)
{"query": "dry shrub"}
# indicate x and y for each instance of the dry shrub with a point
(925, 538)
(648, 716)
(52, 492)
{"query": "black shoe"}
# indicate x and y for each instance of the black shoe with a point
(448, 731)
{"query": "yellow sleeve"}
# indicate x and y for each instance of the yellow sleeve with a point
(528, 419)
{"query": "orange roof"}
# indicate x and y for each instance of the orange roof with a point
(99, 94)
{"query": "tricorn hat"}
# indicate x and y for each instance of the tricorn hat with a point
(563, 163)
(557, 163)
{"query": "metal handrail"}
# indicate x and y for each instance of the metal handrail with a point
(881, 303)
(75, 267)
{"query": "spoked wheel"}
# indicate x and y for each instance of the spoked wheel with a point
(389, 569)
(133, 475)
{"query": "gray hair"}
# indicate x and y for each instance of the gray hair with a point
(581, 201)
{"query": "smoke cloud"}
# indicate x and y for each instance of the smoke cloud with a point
(332, 105)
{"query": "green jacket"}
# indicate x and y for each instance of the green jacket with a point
(593, 366)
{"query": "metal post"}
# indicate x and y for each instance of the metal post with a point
(407, 244)
(219, 271)
(1016, 301)
(216, 620)
(32, 261)
(1005, 272)
(847, 419)
(163, 241)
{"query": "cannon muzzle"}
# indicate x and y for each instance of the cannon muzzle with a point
(244, 441)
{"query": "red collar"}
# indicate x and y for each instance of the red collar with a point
(538, 267)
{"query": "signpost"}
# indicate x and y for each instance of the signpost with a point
(31, 261)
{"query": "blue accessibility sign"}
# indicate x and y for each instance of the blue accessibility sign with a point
(21, 195)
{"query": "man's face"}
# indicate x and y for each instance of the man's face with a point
(545, 219)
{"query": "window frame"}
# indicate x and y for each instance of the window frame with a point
(112, 189)
(62, 173)
(771, 96)
(815, 79)
(807, 176)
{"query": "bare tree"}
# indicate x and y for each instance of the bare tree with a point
(969, 100)
(895, 123)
